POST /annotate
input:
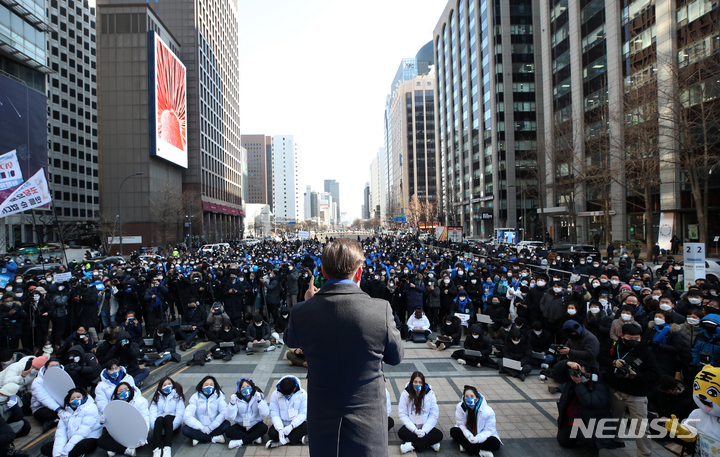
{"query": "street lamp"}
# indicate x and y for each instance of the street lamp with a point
(120, 206)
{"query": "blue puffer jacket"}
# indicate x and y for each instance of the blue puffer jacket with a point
(707, 342)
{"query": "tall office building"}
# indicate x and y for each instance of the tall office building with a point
(307, 198)
(600, 59)
(376, 193)
(259, 147)
(72, 111)
(413, 151)
(288, 199)
(333, 188)
(366, 202)
(23, 112)
(208, 39)
(487, 65)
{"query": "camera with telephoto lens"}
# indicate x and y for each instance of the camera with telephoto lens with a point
(574, 373)
(555, 348)
(624, 371)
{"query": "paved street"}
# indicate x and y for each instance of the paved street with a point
(525, 410)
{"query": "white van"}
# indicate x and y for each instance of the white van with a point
(209, 248)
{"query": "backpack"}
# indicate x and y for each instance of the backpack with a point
(199, 358)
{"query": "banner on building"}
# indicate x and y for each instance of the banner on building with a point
(10, 173)
(33, 193)
(666, 230)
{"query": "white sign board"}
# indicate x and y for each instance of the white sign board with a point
(666, 231)
(125, 240)
(62, 277)
(303, 235)
(10, 173)
(125, 423)
(58, 383)
(693, 262)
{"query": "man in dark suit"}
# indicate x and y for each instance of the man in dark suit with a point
(345, 335)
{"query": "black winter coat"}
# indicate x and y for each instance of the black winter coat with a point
(594, 398)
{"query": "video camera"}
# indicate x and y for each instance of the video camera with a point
(555, 348)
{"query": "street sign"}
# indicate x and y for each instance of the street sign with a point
(291, 223)
(693, 262)
(400, 219)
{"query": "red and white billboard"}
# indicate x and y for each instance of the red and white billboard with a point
(168, 103)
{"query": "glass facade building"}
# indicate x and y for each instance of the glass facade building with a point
(487, 65)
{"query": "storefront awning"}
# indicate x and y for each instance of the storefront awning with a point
(222, 209)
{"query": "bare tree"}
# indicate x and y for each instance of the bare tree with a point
(109, 228)
(169, 212)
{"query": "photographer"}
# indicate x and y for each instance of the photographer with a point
(193, 321)
(585, 397)
(631, 372)
(133, 327)
(11, 317)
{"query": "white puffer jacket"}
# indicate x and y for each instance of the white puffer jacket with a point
(168, 405)
(485, 422)
(280, 407)
(13, 373)
(77, 425)
(106, 387)
(429, 412)
(40, 396)
(254, 410)
(205, 411)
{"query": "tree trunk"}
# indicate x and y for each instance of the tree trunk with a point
(649, 235)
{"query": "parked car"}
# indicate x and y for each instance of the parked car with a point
(578, 250)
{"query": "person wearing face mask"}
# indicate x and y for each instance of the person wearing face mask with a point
(432, 301)
(535, 296)
(281, 324)
(474, 429)
(597, 321)
(127, 354)
(11, 409)
(258, 335)
(475, 341)
(625, 316)
(78, 427)
(291, 285)
(450, 333)
(130, 394)
(233, 296)
(516, 347)
(228, 334)
(664, 339)
(706, 350)
(288, 414)
(540, 341)
(163, 344)
(272, 292)
(110, 378)
(497, 312)
(572, 313)
(247, 408)
(585, 397)
(42, 405)
(692, 299)
(418, 411)
(82, 367)
(553, 307)
(690, 329)
(581, 347)
(12, 316)
(204, 417)
(418, 326)
(631, 373)
(672, 397)
(58, 297)
(192, 325)
(80, 337)
(166, 412)
(448, 294)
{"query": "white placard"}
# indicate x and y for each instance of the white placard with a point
(303, 235)
(33, 193)
(693, 262)
(62, 277)
(10, 173)
(125, 423)
(58, 383)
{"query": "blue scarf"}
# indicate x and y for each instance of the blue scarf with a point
(660, 334)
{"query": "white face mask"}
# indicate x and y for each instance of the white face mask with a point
(574, 278)
(557, 290)
(446, 281)
(572, 312)
(603, 301)
(626, 317)
(665, 307)
(516, 342)
(538, 332)
(693, 321)
(541, 283)
(430, 275)
(36, 297)
(603, 280)
(227, 329)
(656, 297)
(76, 359)
(460, 273)
(475, 336)
(473, 281)
(695, 300)
(594, 310)
(614, 282)
(659, 321)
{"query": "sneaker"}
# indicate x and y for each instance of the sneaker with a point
(486, 454)
(157, 452)
(430, 344)
(479, 365)
(195, 442)
(436, 447)
(270, 349)
(521, 377)
(462, 449)
(554, 389)
(406, 447)
(234, 444)
(272, 444)
(166, 452)
(130, 451)
(304, 439)
(220, 439)
(441, 347)
(461, 361)
(544, 366)
(111, 454)
(258, 441)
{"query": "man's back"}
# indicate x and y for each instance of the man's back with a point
(345, 336)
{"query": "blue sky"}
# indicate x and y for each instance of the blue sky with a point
(320, 70)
